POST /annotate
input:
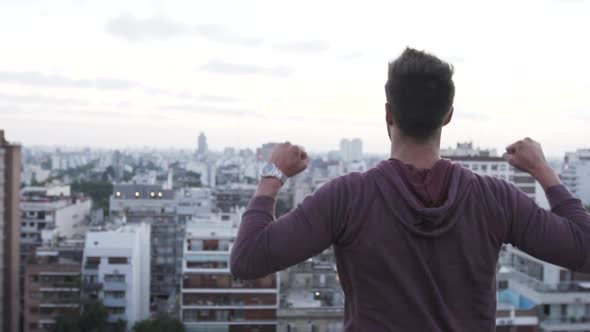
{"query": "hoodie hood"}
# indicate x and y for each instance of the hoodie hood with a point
(424, 200)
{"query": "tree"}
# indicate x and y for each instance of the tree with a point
(99, 191)
(159, 323)
(588, 207)
(93, 319)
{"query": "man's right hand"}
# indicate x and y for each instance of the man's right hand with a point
(290, 159)
(528, 156)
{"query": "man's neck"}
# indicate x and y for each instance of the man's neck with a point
(419, 155)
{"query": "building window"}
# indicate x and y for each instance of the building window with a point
(484, 167)
(114, 294)
(494, 167)
(118, 260)
(475, 167)
(114, 278)
(116, 310)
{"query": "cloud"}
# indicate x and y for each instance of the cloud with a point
(52, 80)
(350, 56)
(471, 116)
(9, 108)
(160, 28)
(40, 99)
(220, 67)
(218, 99)
(195, 108)
(132, 29)
(37, 79)
(312, 46)
(206, 97)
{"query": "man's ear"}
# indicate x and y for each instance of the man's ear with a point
(388, 114)
(388, 118)
(449, 117)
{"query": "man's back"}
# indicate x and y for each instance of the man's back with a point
(416, 249)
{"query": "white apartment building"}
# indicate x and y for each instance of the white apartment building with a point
(119, 262)
(45, 208)
(351, 150)
(212, 299)
(498, 167)
(575, 174)
(466, 149)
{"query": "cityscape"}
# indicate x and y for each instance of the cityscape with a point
(140, 142)
(145, 235)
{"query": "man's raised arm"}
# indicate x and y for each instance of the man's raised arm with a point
(560, 236)
(264, 245)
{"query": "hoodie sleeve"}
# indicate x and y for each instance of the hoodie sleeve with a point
(560, 236)
(264, 245)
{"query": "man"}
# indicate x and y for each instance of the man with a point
(417, 237)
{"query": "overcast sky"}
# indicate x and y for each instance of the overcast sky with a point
(156, 73)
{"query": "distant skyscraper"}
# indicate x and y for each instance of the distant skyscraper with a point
(356, 149)
(118, 166)
(202, 150)
(10, 164)
(351, 150)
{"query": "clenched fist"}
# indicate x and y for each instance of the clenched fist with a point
(526, 155)
(290, 159)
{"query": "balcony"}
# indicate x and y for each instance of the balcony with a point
(229, 300)
(539, 292)
(60, 284)
(91, 266)
(114, 302)
(564, 323)
(114, 286)
(92, 286)
(113, 318)
(227, 282)
(229, 315)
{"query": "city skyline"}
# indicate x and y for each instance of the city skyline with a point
(155, 74)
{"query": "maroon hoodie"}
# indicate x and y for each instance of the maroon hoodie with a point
(416, 250)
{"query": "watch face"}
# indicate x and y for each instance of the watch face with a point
(267, 169)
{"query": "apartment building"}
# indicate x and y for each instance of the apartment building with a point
(575, 174)
(10, 165)
(351, 150)
(156, 206)
(560, 297)
(311, 297)
(498, 167)
(116, 271)
(213, 300)
(52, 285)
(50, 208)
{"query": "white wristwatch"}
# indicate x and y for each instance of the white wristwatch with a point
(271, 170)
